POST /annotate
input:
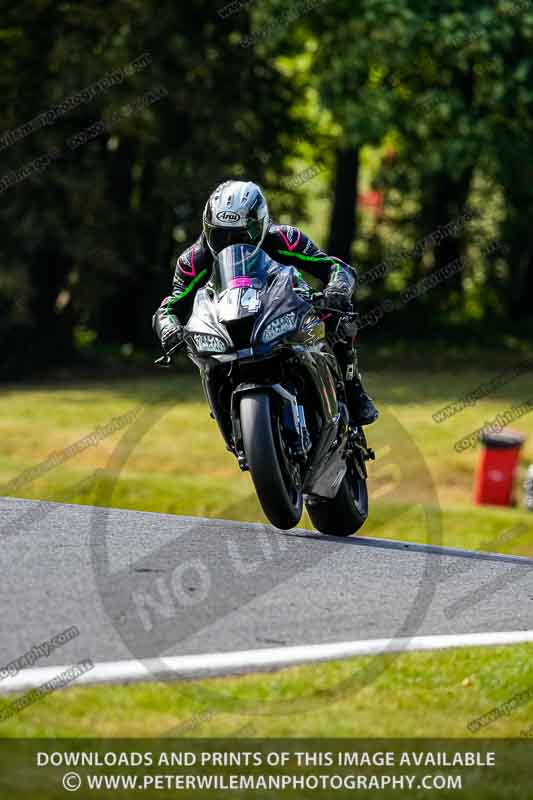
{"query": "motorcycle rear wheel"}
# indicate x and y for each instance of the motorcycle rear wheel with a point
(347, 512)
(280, 498)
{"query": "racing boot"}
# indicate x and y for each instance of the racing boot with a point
(360, 404)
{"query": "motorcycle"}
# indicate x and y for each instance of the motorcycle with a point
(257, 334)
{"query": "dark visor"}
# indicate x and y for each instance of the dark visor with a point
(220, 238)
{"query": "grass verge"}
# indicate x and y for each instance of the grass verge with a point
(175, 461)
(433, 694)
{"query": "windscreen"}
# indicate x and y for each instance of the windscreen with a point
(240, 267)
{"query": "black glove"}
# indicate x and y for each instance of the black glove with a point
(336, 298)
(348, 327)
(171, 335)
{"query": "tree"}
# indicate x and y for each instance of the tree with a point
(90, 236)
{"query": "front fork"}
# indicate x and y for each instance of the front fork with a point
(292, 416)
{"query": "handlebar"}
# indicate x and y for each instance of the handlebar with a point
(339, 311)
(166, 359)
(318, 298)
(314, 298)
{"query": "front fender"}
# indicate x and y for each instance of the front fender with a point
(275, 389)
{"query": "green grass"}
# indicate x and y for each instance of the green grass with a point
(172, 460)
(434, 694)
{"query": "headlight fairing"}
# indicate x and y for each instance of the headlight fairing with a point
(207, 343)
(279, 326)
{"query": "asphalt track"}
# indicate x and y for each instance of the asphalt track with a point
(141, 586)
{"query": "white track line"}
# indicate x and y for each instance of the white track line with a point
(211, 664)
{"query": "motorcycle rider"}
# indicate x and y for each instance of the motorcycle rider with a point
(237, 213)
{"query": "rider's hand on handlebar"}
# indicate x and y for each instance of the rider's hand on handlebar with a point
(171, 336)
(337, 299)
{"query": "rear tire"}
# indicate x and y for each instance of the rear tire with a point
(345, 513)
(280, 499)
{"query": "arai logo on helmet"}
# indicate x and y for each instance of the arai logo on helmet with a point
(228, 216)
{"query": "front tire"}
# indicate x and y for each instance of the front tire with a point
(346, 512)
(280, 498)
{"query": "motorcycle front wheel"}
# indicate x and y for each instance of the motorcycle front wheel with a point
(273, 475)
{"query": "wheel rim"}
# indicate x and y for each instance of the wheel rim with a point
(357, 490)
(294, 491)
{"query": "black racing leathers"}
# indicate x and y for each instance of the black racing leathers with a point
(283, 243)
(286, 245)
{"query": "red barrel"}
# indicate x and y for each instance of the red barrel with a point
(496, 468)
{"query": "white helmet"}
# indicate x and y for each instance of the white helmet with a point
(236, 213)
